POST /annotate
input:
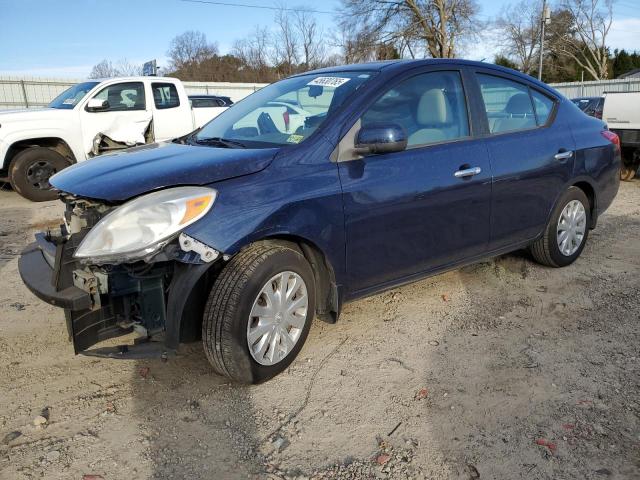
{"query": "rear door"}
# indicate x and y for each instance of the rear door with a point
(409, 212)
(171, 118)
(531, 156)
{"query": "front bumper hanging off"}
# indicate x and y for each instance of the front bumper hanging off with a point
(37, 272)
(115, 302)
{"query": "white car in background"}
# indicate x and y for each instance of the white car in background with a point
(89, 119)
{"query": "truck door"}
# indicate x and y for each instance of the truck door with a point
(171, 117)
(120, 113)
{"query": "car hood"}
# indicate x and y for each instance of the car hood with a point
(31, 118)
(118, 177)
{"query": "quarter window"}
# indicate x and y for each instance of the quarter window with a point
(165, 95)
(507, 103)
(544, 106)
(123, 97)
(430, 107)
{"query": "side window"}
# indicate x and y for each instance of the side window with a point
(165, 95)
(543, 105)
(123, 97)
(431, 107)
(507, 103)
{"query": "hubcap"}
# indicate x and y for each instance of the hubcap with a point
(572, 225)
(38, 174)
(277, 318)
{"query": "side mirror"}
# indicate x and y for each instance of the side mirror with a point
(96, 105)
(381, 138)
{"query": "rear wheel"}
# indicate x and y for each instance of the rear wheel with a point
(31, 169)
(567, 231)
(259, 312)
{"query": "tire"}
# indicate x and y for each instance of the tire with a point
(30, 171)
(546, 250)
(233, 297)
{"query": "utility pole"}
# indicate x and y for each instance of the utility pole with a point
(545, 19)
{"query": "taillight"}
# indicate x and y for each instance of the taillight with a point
(612, 137)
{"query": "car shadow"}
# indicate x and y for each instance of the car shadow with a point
(491, 371)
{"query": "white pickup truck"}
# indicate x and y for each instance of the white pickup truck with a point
(89, 119)
(622, 113)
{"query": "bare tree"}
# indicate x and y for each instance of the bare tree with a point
(285, 43)
(440, 26)
(585, 42)
(189, 48)
(104, 69)
(123, 68)
(312, 44)
(519, 28)
(127, 69)
(254, 53)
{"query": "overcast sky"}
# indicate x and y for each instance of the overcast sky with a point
(57, 38)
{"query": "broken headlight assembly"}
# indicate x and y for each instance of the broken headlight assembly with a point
(142, 226)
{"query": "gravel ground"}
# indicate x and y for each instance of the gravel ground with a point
(501, 370)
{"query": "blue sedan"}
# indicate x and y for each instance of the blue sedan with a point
(314, 191)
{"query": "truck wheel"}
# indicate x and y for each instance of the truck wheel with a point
(30, 171)
(567, 231)
(259, 312)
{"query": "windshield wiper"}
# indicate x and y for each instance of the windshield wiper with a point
(224, 142)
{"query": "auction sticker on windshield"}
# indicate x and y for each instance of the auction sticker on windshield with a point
(328, 81)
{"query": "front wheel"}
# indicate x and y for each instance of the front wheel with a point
(566, 233)
(30, 171)
(259, 312)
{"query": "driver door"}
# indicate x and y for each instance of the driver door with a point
(412, 211)
(124, 118)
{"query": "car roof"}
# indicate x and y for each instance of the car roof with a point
(139, 78)
(404, 64)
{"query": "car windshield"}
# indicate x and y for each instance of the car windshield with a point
(284, 113)
(71, 96)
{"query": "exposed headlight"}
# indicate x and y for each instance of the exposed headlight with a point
(143, 225)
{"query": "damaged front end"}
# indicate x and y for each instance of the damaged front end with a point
(155, 295)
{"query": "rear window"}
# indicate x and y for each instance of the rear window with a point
(165, 95)
(206, 102)
(513, 106)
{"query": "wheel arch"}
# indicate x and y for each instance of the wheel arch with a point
(327, 292)
(56, 144)
(189, 292)
(590, 192)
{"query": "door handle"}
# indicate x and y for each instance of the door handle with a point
(563, 155)
(467, 172)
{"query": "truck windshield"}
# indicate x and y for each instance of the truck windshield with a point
(71, 96)
(284, 113)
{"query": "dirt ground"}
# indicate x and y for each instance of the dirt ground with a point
(501, 370)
